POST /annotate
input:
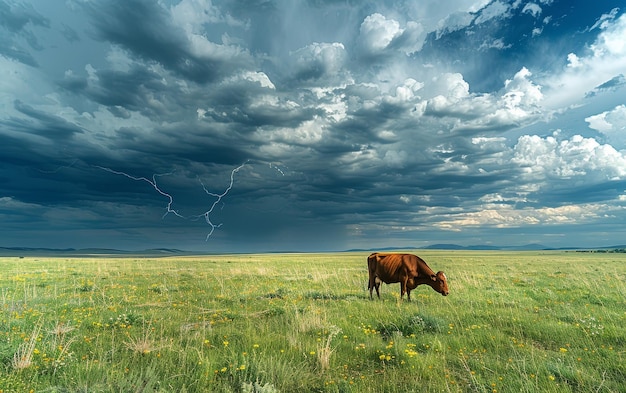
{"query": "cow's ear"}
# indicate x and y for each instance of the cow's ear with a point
(433, 277)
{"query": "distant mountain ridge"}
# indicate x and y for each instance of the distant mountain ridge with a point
(43, 251)
(528, 247)
(452, 246)
(160, 252)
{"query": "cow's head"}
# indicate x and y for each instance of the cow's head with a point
(440, 283)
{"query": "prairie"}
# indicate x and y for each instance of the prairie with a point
(513, 322)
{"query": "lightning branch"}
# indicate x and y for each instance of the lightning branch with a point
(168, 208)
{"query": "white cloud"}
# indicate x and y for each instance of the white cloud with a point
(611, 41)
(259, 77)
(496, 9)
(377, 32)
(21, 81)
(203, 48)
(460, 14)
(506, 216)
(333, 105)
(612, 124)
(451, 86)
(605, 19)
(533, 9)
(573, 61)
(387, 135)
(412, 38)
(547, 158)
(195, 15)
(308, 133)
(451, 98)
(521, 90)
(192, 14)
(406, 91)
(494, 44)
(10, 204)
(488, 217)
(497, 198)
(395, 159)
(485, 142)
(454, 22)
(319, 60)
(518, 102)
(614, 120)
(605, 60)
(474, 6)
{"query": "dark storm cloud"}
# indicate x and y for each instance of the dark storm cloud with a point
(133, 90)
(160, 152)
(16, 21)
(17, 153)
(277, 27)
(15, 17)
(146, 30)
(70, 34)
(249, 105)
(42, 124)
(9, 50)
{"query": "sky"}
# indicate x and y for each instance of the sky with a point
(311, 125)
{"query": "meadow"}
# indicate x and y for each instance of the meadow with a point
(513, 322)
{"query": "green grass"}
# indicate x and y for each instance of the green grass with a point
(514, 322)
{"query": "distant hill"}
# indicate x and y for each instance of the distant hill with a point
(452, 246)
(443, 246)
(42, 251)
(446, 246)
(162, 252)
(381, 249)
(526, 247)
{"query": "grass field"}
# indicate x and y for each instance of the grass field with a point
(514, 322)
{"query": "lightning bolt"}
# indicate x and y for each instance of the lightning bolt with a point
(154, 185)
(170, 198)
(207, 214)
(59, 168)
(277, 168)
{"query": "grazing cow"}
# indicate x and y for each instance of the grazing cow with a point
(407, 269)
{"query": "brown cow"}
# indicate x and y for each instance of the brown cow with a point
(407, 269)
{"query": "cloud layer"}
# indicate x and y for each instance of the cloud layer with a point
(359, 124)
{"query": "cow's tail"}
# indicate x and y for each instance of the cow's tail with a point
(371, 262)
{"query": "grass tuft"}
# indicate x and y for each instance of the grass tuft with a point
(23, 358)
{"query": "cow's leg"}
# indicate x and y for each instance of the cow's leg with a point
(403, 281)
(408, 294)
(374, 283)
